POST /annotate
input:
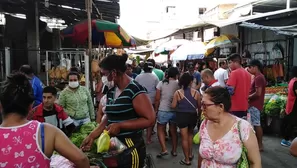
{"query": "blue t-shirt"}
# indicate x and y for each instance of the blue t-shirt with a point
(38, 90)
(197, 76)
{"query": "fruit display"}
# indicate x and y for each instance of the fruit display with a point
(58, 73)
(276, 89)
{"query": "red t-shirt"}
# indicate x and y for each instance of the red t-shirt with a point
(240, 80)
(259, 81)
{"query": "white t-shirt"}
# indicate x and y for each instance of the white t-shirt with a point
(214, 84)
(221, 75)
(167, 93)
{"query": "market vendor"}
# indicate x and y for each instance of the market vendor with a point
(129, 112)
(50, 112)
(77, 101)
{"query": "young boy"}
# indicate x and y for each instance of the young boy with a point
(50, 112)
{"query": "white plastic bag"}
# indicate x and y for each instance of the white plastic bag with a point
(58, 161)
(116, 146)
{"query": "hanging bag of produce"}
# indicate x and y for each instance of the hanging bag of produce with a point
(243, 161)
(116, 146)
(103, 142)
(196, 139)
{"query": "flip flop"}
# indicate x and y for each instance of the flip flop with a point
(183, 162)
(160, 155)
(173, 153)
(191, 158)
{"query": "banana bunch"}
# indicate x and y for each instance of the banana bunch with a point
(52, 74)
(64, 73)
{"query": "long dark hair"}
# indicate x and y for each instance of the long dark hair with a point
(172, 73)
(114, 62)
(185, 80)
(16, 95)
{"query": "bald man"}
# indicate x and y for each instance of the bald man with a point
(208, 80)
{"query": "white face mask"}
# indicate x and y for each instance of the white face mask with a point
(73, 85)
(109, 84)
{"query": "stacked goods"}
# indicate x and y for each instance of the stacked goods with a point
(276, 89)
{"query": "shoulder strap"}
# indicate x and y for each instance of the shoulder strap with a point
(188, 100)
(239, 132)
(42, 136)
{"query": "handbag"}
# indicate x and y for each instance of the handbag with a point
(243, 161)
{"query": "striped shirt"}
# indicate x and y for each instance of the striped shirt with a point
(121, 108)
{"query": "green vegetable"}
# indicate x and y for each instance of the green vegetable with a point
(88, 128)
(275, 105)
(78, 137)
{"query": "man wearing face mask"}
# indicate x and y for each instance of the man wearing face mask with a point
(77, 101)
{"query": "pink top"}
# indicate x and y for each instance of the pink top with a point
(226, 151)
(20, 148)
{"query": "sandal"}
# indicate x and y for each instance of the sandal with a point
(173, 153)
(183, 162)
(160, 155)
(191, 158)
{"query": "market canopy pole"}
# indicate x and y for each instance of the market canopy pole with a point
(89, 80)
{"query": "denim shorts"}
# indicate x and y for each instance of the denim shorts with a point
(165, 117)
(81, 121)
(255, 116)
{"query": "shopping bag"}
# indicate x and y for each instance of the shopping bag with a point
(116, 146)
(196, 138)
(103, 142)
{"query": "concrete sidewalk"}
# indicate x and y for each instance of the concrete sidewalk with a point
(274, 155)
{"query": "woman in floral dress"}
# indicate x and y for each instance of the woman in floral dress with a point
(220, 145)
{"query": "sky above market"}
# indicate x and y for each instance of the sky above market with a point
(139, 17)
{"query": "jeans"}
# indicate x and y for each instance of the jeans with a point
(81, 121)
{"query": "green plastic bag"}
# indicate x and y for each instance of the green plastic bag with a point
(103, 142)
(196, 138)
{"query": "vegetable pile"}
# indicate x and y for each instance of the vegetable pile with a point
(275, 105)
(78, 137)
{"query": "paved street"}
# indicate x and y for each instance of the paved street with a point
(274, 155)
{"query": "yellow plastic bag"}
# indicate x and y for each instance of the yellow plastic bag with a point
(196, 138)
(103, 142)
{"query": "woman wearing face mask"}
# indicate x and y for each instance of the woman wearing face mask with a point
(77, 101)
(128, 112)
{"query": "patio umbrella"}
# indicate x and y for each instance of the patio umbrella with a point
(222, 40)
(103, 33)
(190, 51)
(168, 46)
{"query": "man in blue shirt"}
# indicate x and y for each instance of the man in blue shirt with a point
(197, 77)
(35, 83)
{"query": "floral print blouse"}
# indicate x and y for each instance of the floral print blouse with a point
(226, 151)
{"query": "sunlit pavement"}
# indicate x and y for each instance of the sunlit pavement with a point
(274, 155)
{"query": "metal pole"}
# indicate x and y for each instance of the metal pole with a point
(288, 4)
(46, 68)
(90, 80)
(7, 61)
(37, 37)
(87, 72)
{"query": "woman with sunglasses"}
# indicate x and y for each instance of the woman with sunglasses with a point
(222, 134)
(128, 112)
(187, 101)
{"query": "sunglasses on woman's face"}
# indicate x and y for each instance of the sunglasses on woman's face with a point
(205, 105)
